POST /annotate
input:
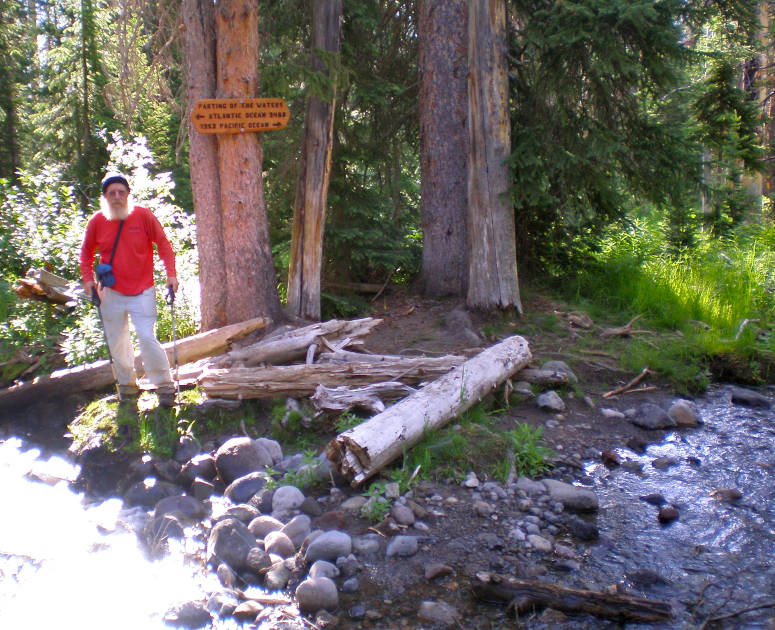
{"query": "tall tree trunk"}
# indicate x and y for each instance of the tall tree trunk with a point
(250, 278)
(309, 212)
(199, 21)
(492, 269)
(768, 105)
(443, 108)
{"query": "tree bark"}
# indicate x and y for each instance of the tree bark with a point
(251, 290)
(245, 383)
(371, 397)
(199, 22)
(492, 268)
(364, 450)
(292, 345)
(309, 212)
(443, 107)
(527, 595)
(99, 375)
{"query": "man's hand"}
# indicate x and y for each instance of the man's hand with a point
(94, 291)
(172, 283)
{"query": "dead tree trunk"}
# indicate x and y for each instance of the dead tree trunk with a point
(526, 595)
(99, 374)
(364, 450)
(492, 266)
(301, 380)
(309, 212)
(295, 344)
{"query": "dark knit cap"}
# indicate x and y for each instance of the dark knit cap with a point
(113, 178)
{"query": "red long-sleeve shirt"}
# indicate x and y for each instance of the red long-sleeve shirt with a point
(133, 262)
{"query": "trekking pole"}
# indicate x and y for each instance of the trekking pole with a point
(95, 299)
(171, 301)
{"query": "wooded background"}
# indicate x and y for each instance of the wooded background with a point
(443, 142)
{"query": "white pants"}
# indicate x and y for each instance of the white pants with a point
(116, 310)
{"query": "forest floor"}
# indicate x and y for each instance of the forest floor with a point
(392, 590)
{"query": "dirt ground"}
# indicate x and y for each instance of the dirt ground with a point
(414, 325)
(417, 325)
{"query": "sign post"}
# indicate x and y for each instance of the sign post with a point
(239, 115)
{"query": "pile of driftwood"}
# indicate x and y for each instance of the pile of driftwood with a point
(324, 362)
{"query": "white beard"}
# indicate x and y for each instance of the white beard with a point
(118, 212)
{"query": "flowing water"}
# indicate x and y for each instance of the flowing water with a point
(719, 556)
(66, 562)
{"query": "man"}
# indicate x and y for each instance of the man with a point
(132, 293)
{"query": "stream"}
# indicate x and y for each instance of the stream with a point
(68, 562)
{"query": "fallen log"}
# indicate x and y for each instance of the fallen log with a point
(244, 383)
(527, 595)
(343, 357)
(371, 397)
(45, 286)
(291, 345)
(364, 450)
(98, 375)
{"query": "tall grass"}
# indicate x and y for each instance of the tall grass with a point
(718, 296)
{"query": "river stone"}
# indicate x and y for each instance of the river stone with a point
(272, 447)
(230, 541)
(262, 525)
(329, 546)
(685, 413)
(243, 512)
(185, 507)
(402, 546)
(279, 543)
(277, 577)
(323, 568)
(159, 529)
(318, 593)
(238, 457)
(663, 463)
(653, 417)
(562, 367)
(202, 489)
(539, 543)
(749, 398)
(247, 611)
(202, 465)
(222, 603)
(297, 529)
(550, 401)
(149, 492)
(667, 514)
(188, 615)
(258, 560)
(438, 613)
(286, 499)
(263, 500)
(572, 498)
(367, 544)
(354, 504)
(530, 487)
(241, 490)
(227, 576)
(402, 514)
(583, 530)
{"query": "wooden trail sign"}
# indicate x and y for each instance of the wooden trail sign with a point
(239, 115)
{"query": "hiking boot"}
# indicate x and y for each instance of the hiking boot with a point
(166, 399)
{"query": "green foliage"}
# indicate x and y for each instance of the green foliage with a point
(527, 453)
(706, 293)
(346, 421)
(376, 507)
